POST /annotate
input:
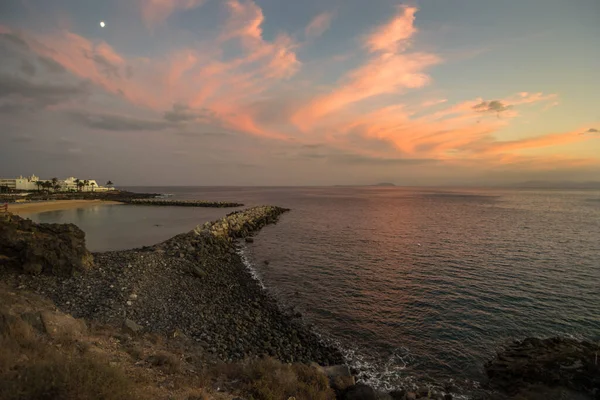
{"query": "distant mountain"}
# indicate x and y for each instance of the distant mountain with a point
(384, 184)
(556, 185)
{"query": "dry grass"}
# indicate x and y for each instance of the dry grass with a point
(31, 368)
(269, 379)
(168, 361)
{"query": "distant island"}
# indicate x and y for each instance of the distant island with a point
(384, 184)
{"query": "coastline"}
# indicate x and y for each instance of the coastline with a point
(197, 286)
(55, 205)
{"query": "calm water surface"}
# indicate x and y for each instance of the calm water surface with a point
(411, 282)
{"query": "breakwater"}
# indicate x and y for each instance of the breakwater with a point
(181, 203)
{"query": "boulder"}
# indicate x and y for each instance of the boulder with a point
(57, 249)
(556, 362)
(359, 392)
(131, 327)
(398, 394)
(59, 325)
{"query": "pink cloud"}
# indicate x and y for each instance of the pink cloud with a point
(394, 36)
(318, 25)
(156, 11)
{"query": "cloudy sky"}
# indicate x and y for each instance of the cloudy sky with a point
(311, 92)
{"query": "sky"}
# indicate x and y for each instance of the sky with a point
(311, 92)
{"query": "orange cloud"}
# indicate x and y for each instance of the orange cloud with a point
(393, 36)
(157, 11)
(318, 25)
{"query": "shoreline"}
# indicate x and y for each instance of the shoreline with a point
(55, 205)
(196, 285)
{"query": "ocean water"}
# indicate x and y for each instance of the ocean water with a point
(412, 283)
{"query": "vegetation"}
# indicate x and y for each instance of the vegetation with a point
(269, 379)
(30, 368)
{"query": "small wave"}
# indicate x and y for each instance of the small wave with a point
(242, 251)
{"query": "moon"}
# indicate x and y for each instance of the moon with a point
(102, 24)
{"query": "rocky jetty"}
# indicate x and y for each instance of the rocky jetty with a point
(55, 249)
(181, 203)
(195, 285)
(553, 363)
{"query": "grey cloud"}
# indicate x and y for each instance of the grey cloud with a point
(119, 123)
(14, 39)
(22, 138)
(312, 146)
(27, 67)
(108, 69)
(41, 94)
(358, 159)
(183, 113)
(50, 65)
(592, 130)
(494, 106)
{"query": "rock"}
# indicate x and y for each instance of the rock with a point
(556, 362)
(59, 325)
(133, 296)
(33, 268)
(447, 396)
(359, 392)
(198, 272)
(249, 240)
(337, 370)
(340, 383)
(56, 249)
(266, 262)
(131, 327)
(423, 392)
(411, 396)
(35, 320)
(398, 394)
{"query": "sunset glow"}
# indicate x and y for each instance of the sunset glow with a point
(319, 94)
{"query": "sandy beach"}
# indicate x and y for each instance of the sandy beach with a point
(53, 205)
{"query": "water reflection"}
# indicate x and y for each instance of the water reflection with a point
(118, 226)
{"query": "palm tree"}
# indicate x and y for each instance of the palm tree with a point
(86, 183)
(54, 183)
(77, 183)
(109, 183)
(80, 185)
(39, 185)
(47, 185)
(92, 185)
(57, 187)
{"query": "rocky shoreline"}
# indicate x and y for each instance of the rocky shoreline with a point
(182, 203)
(195, 286)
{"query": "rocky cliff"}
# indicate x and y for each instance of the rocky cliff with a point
(56, 249)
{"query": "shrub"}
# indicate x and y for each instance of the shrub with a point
(268, 379)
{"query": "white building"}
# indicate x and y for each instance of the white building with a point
(70, 184)
(20, 183)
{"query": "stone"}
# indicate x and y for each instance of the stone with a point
(55, 249)
(359, 392)
(133, 296)
(557, 362)
(131, 327)
(423, 391)
(33, 268)
(411, 396)
(341, 383)
(198, 272)
(35, 320)
(337, 370)
(398, 394)
(249, 240)
(59, 325)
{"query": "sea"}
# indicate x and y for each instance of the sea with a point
(413, 284)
